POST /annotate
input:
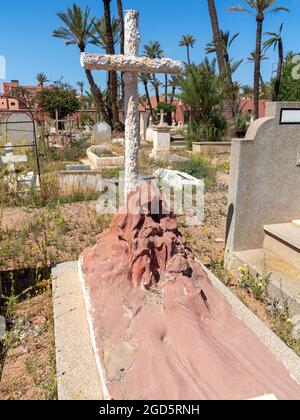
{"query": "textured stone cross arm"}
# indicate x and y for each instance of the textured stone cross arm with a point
(130, 64)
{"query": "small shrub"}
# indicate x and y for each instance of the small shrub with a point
(104, 153)
(201, 168)
(257, 286)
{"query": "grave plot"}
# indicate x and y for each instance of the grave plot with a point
(157, 322)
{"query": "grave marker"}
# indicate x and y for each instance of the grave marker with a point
(131, 65)
(102, 133)
(18, 128)
(264, 200)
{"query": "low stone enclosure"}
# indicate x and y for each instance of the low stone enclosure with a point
(212, 147)
(79, 181)
(264, 201)
(157, 321)
(98, 162)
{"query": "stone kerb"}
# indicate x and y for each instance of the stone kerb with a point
(104, 162)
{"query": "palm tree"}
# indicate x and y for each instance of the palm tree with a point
(145, 79)
(99, 36)
(246, 91)
(221, 62)
(216, 34)
(174, 85)
(113, 81)
(80, 85)
(188, 41)
(226, 42)
(41, 78)
(251, 59)
(289, 56)
(156, 85)
(77, 30)
(100, 39)
(260, 8)
(275, 40)
(154, 50)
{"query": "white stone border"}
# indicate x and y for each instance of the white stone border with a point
(89, 312)
(278, 348)
(110, 162)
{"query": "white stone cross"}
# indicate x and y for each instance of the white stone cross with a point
(162, 118)
(10, 159)
(131, 65)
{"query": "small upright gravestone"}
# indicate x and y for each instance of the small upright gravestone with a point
(19, 128)
(265, 176)
(161, 140)
(264, 201)
(102, 133)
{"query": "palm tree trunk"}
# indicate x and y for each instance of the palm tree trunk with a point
(166, 88)
(98, 96)
(221, 63)
(188, 55)
(148, 98)
(156, 88)
(113, 74)
(122, 40)
(263, 86)
(279, 70)
(216, 34)
(173, 95)
(257, 65)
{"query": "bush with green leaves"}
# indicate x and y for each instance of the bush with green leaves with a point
(241, 121)
(289, 86)
(201, 168)
(60, 97)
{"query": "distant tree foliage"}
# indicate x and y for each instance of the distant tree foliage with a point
(289, 86)
(59, 96)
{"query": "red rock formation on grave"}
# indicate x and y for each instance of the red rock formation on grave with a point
(161, 329)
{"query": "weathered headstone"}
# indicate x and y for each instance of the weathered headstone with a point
(161, 142)
(264, 199)
(102, 133)
(161, 139)
(18, 128)
(144, 116)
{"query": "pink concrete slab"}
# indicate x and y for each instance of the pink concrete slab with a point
(163, 331)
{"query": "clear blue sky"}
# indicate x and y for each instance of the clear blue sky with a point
(27, 44)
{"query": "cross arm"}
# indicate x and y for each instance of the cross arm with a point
(130, 64)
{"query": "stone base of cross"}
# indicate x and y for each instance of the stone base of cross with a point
(131, 65)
